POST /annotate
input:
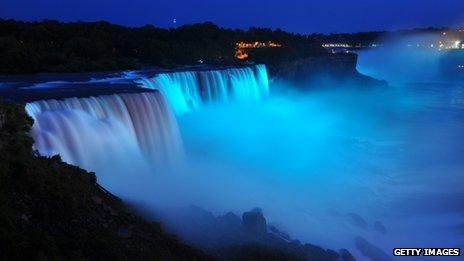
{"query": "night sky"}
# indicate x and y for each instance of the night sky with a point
(303, 16)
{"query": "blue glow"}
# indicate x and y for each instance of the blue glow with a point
(403, 62)
(310, 161)
(189, 90)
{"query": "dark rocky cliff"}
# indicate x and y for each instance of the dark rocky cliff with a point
(50, 210)
(249, 237)
(328, 69)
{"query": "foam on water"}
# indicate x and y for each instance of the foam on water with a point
(326, 166)
(108, 132)
(187, 91)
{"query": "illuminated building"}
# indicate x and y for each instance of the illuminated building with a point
(240, 54)
(336, 45)
(240, 49)
(268, 44)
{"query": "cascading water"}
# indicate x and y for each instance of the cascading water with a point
(95, 131)
(187, 91)
(180, 88)
(262, 79)
(85, 131)
(322, 164)
(127, 138)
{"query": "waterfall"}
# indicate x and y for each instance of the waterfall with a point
(103, 130)
(109, 132)
(187, 91)
(262, 79)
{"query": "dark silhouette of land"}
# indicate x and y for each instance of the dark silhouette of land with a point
(52, 46)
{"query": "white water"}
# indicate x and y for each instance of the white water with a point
(311, 161)
(111, 133)
(187, 91)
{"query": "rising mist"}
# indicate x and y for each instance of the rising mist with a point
(326, 166)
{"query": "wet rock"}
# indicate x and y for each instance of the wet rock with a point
(96, 199)
(371, 251)
(318, 253)
(379, 227)
(254, 221)
(198, 215)
(345, 255)
(357, 220)
(332, 255)
(248, 237)
(93, 177)
(335, 66)
(229, 219)
(52, 206)
(279, 233)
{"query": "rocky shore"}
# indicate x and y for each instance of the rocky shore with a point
(52, 210)
(245, 237)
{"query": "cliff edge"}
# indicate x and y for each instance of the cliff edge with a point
(52, 210)
(324, 70)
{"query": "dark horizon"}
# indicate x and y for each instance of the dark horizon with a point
(296, 16)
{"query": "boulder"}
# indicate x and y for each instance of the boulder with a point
(253, 221)
(345, 255)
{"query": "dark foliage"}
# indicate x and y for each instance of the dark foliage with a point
(364, 39)
(52, 210)
(52, 46)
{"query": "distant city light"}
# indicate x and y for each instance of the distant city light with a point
(268, 44)
(336, 45)
(349, 46)
(241, 54)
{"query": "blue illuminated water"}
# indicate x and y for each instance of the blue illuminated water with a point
(189, 90)
(312, 161)
(393, 156)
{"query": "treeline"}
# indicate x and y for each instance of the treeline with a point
(52, 46)
(375, 37)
